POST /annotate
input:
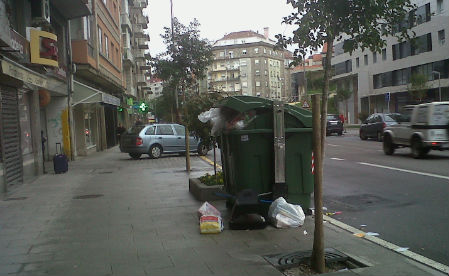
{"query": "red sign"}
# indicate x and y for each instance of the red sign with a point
(49, 48)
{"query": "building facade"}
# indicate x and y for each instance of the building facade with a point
(34, 100)
(246, 63)
(380, 82)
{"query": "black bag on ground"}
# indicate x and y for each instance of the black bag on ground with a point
(60, 163)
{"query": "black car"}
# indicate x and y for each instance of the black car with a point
(334, 124)
(373, 126)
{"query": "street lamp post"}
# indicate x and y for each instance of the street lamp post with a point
(439, 83)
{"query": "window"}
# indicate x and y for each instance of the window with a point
(244, 52)
(266, 84)
(440, 8)
(150, 131)
(112, 51)
(257, 73)
(384, 54)
(221, 54)
(180, 130)
(106, 46)
(245, 84)
(257, 83)
(256, 50)
(100, 40)
(421, 44)
(264, 51)
(164, 130)
(242, 62)
(421, 116)
(256, 61)
(441, 37)
(266, 72)
(231, 54)
(357, 62)
(265, 61)
(422, 14)
(374, 57)
(365, 59)
(117, 56)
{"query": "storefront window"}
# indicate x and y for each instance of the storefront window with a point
(25, 123)
(88, 129)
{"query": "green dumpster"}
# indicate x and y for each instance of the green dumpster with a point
(247, 149)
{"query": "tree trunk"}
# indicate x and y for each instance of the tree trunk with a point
(324, 96)
(318, 236)
(187, 150)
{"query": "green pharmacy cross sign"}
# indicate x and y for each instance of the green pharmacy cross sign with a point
(143, 107)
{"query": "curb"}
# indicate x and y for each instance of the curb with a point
(409, 254)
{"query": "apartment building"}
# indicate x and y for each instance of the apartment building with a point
(310, 69)
(135, 59)
(246, 63)
(98, 80)
(380, 82)
(34, 98)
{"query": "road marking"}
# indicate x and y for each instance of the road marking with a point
(407, 253)
(338, 159)
(210, 162)
(332, 145)
(403, 170)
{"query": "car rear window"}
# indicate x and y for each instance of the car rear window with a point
(135, 129)
(440, 115)
(333, 117)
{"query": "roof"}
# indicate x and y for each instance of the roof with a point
(317, 57)
(153, 80)
(308, 68)
(242, 34)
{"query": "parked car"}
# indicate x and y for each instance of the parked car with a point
(334, 124)
(156, 139)
(423, 127)
(374, 125)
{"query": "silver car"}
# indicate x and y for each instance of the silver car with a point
(156, 139)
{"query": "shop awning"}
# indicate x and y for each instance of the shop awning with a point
(85, 94)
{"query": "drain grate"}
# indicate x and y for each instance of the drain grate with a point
(16, 198)
(289, 260)
(87, 196)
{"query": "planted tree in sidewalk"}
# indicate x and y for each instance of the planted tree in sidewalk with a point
(358, 24)
(186, 60)
(418, 86)
(343, 96)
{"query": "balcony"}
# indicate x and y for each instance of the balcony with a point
(141, 43)
(128, 56)
(141, 80)
(73, 8)
(83, 53)
(124, 18)
(139, 55)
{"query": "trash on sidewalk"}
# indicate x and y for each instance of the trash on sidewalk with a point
(208, 209)
(305, 232)
(312, 210)
(372, 234)
(360, 235)
(362, 225)
(285, 215)
(401, 249)
(333, 213)
(211, 224)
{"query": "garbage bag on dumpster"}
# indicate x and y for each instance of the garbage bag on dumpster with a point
(285, 215)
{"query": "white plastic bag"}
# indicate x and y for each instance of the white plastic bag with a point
(210, 219)
(208, 209)
(285, 215)
(217, 121)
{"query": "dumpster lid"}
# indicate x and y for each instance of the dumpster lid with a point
(246, 103)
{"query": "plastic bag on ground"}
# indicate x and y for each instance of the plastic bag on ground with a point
(211, 224)
(208, 209)
(285, 215)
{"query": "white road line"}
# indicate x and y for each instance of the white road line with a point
(338, 159)
(403, 170)
(412, 255)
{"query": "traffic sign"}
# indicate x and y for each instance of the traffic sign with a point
(387, 96)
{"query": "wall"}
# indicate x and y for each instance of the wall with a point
(54, 123)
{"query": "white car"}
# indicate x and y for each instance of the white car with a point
(422, 127)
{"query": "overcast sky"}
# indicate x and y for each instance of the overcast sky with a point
(217, 18)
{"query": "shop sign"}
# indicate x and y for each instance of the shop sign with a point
(20, 45)
(22, 74)
(130, 101)
(44, 49)
(109, 99)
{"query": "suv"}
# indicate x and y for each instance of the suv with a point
(334, 124)
(422, 127)
(156, 139)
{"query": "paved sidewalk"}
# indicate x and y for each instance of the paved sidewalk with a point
(145, 223)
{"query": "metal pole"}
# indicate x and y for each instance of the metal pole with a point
(70, 91)
(439, 85)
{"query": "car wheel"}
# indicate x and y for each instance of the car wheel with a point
(362, 135)
(418, 151)
(388, 145)
(155, 151)
(135, 155)
(202, 149)
(379, 136)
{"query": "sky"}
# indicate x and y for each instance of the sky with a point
(217, 18)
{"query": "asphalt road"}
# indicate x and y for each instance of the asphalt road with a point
(408, 207)
(404, 200)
